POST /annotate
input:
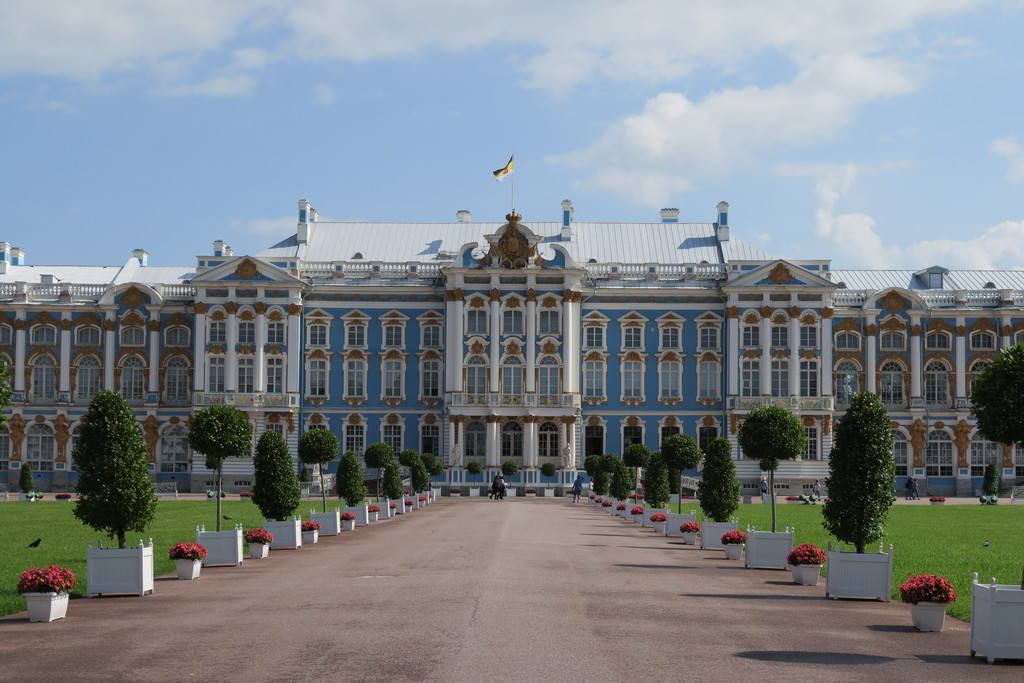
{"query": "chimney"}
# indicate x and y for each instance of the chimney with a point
(5, 256)
(17, 257)
(463, 216)
(670, 215)
(307, 215)
(722, 227)
(142, 255)
(567, 215)
(222, 249)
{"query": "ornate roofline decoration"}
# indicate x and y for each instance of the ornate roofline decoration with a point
(513, 246)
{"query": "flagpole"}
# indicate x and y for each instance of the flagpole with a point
(513, 186)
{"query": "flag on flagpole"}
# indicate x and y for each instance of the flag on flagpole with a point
(500, 174)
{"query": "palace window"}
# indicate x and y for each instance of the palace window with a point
(90, 336)
(708, 379)
(217, 332)
(173, 452)
(355, 378)
(316, 335)
(937, 341)
(750, 377)
(593, 379)
(512, 321)
(670, 379)
(430, 379)
(87, 379)
(316, 378)
(246, 375)
(705, 435)
(780, 377)
(355, 335)
(670, 338)
(631, 435)
(246, 333)
(392, 436)
(936, 383)
(938, 455)
(548, 380)
(476, 440)
(632, 379)
(133, 375)
(394, 336)
(43, 335)
(275, 333)
(476, 321)
(547, 440)
(890, 384)
(633, 338)
(593, 440)
(430, 439)
(811, 447)
(983, 341)
(176, 374)
(846, 379)
(44, 380)
(707, 339)
(40, 447)
(977, 368)
(594, 338)
(808, 336)
(809, 378)
(215, 374)
(983, 453)
(751, 336)
(391, 379)
(780, 336)
(893, 341)
(6, 336)
(275, 375)
(847, 341)
(430, 336)
(900, 453)
(476, 375)
(549, 322)
(355, 438)
(511, 440)
(512, 376)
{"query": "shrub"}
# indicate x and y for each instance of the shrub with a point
(25, 482)
(187, 551)
(769, 435)
(656, 488)
(548, 469)
(805, 553)
(623, 480)
(718, 490)
(927, 588)
(52, 579)
(680, 452)
(350, 484)
(990, 485)
(378, 455)
(474, 467)
(275, 492)
(509, 468)
(392, 480)
(220, 432)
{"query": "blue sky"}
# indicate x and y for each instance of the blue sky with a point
(879, 134)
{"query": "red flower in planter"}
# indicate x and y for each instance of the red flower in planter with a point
(187, 551)
(734, 537)
(348, 517)
(592, 496)
(52, 579)
(927, 588)
(620, 506)
(393, 506)
(638, 510)
(310, 526)
(659, 517)
(258, 536)
(806, 553)
(423, 499)
(689, 527)
(607, 504)
(373, 508)
(409, 502)
(937, 499)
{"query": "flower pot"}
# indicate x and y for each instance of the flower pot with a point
(928, 616)
(222, 547)
(659, 528)
(937, 502)
(310, 536)
(806, 574)
(259, 551)
(454, 494)
(474, 492)
(690, 537)
(46, 606)
(188, 569)
(997, 620)
(348, 525)
(733, 551)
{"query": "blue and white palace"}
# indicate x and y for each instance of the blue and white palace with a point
(516, 340)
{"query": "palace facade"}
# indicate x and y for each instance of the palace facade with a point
(533, 342)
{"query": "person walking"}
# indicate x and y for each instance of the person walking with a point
(495, 485)
(817, 489)
(577, 488)
(915, 494)
(764, 488)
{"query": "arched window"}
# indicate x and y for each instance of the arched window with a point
(847, 341)
(893, 341)
(511, 440)
(890, 384)
(44, 379)
(846, 379)
(548, 381)
(936, 340)
(936, 383)
(43, 335)
(87, 336)
(983, 453)
(5, 449)
(176, 389)
(938, 455)
(476, 375)
(177, 336)
(5, 334)
(476, 440)
(133, 335)
(87, 379)
(40, 447)
(977, 367)
(173, 450)
(133, 379)
(983, 341)
(511, 377)
(547, 440)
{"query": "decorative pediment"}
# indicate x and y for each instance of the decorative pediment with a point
(514, 246)
(780, 273)
(246, 268)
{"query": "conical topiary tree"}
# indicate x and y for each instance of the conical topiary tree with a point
(378, 455)
(276, 490)
(319, 447)
(392, 480)
(350, 479)
(220, 432)
(25, 482)
(680, 452)
(433, 464)
(718, 490)
(861, 473)
(656, 481)
(623, 481)
(990, 484)
(115, 491)
(769, 435)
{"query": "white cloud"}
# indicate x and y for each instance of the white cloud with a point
(280, 227)
(1013, 150)
(323, 94)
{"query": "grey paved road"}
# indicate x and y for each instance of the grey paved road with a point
(470, 589)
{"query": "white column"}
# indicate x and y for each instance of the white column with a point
(109, 339)
(766, 355)
(154, 356)
(870, 375)
(794, 355)
(453, 437)
(494, 345)
(1004, 331)
(571, 436)
(493, 457)
(915, 358)
(19, 351)
(732, 356)
(562, 433)
(260, 371)
(454, 335)
(826, 355)
(199, 348)
(294, 357)
(571, 342)
(530, 456)
(531, 342)
(961, 362)
(231, 355)
(65, 354)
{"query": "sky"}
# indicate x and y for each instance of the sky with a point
(878, 134)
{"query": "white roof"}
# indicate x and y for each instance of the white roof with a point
(433, 242)
(132, 271)
(952, 280)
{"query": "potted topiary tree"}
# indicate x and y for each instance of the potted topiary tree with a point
(636, 455)
(509, 469)
(434, 469)
(352, 488)
(392, 483)
(681, 453)
(475, 469)
(769, 435)
(220, 432)
(275, 490)
(719, 493)
(319, 447)
(115, 495)
(990, 484)
(594, 466)
(860, 488)
(622, 483)
(26, 483)
(655, 488)
(377, 456)
(548, 472)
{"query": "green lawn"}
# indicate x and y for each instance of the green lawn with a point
(944, 540)
(64, 538)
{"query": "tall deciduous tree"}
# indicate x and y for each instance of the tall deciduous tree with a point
(378, 455)
(680, 452)
(861, 473)
(656, 481)
(220, 432)
(319, 447)
(276, 490)
(350, 479)
(769, 435)
(718, 490)
(115, 491)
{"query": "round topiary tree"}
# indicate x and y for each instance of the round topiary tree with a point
(392, 480)
(350, 479)
(990, 484)
(377, 456)
(115, 491)
(418, 475)
(593, 465)
(475, 468)
(548, 470)
(718, 490)
(769, 435)
(509, 468)
(656, 481)
(220, 432)
(320, 447)
(275, 491)
(25, 482)
(433, 465)
(636, 456)
(623, 482)
(861, 473)
(680, 452)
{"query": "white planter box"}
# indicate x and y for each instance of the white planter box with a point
(510, 491)
(259, 551)
(330, 522)
(768, 548)
(806, 574)
(652, 511)
(348, 525)
(454, 494)
(474, 491)
(733, 551)
(222, 547)
(362, 516)
(549, 492)
(400, 510)
(997, 620)
(385, 510)
(711, 533)
(675, 520)
(310, 537)
(858, 575)
(530, 494)
(116, 570)
(187, 569)
(287, 534)
(44, 607)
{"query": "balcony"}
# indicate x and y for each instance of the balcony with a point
(792, 403)
(209, 398)
(462, 400)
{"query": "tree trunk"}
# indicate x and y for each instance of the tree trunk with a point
(121, 540)
(220, 484)
(771, 492)
(323, 491)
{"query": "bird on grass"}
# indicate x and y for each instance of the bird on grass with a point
(985, 544)
(35, 543)
(226, 517)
